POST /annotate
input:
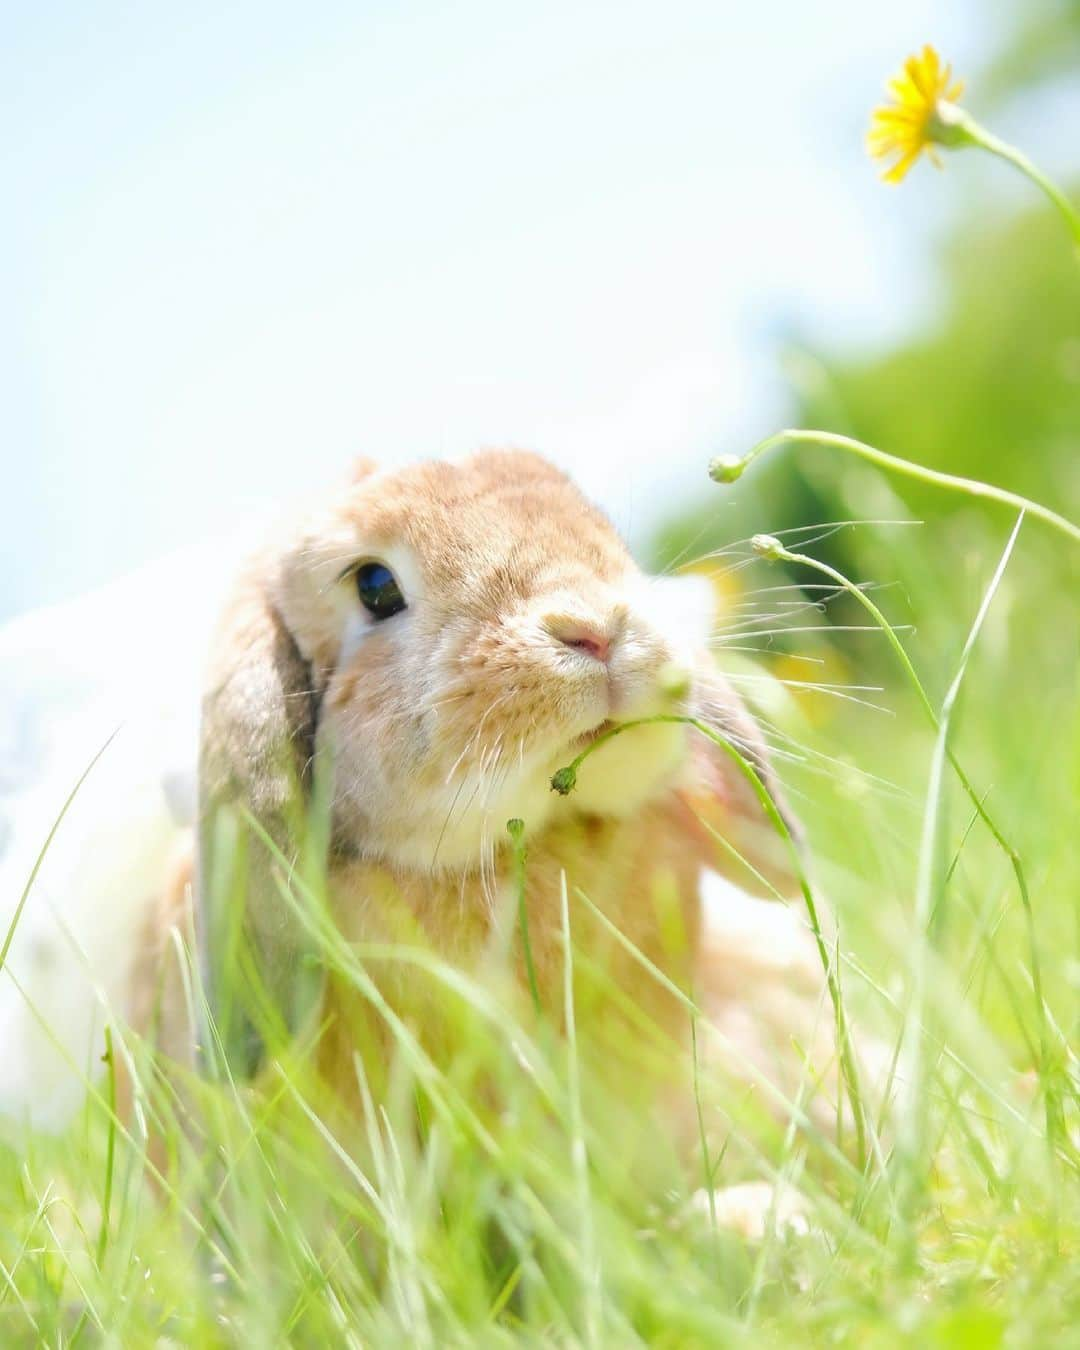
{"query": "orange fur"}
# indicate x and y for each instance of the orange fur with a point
(440, 723)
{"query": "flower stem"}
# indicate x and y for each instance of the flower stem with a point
(727, 469)
(985, 140)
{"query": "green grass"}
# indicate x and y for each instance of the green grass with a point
(498, 1198)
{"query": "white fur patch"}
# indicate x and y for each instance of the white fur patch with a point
(682, 609)
(623, 774)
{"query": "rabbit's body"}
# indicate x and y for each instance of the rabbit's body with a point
(637, 872)
(748, 964)
(419, 659)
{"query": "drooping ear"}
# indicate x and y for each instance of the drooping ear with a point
(256, 766)
(362, 467)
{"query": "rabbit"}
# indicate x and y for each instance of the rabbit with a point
(421, 654)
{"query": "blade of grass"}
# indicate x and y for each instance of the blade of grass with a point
(516, 830)
(591, 1282)
(911, 1152)
(110, 1151)
(10, 934)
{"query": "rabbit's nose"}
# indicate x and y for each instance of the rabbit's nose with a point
(590, 638)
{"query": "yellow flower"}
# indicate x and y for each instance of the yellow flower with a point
(924, 113)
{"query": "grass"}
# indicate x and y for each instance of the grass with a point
(447, 1219)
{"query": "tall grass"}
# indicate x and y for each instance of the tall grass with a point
(497, 1196)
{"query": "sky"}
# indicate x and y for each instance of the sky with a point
(246, 242)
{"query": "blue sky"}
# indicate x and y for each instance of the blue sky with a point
(246, 242)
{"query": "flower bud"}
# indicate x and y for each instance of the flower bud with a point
(767, 546)
(673, 681)
(726, 468)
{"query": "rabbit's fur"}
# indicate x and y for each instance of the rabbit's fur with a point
(527, 629)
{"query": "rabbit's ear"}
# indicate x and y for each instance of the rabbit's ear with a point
(362, 467)
(255, 784)
(744, 842)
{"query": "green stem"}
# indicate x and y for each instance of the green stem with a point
(110, 1151)
(516, 830)
(985, 140)
(726, 469)
(563, 782)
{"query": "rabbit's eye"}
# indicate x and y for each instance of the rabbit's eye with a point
(378, 590)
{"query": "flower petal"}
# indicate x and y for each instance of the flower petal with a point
(899, 117)
(917, 76)
(900, 168)
(906, 126)
(903, 89)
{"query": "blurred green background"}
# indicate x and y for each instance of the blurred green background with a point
(988, 388)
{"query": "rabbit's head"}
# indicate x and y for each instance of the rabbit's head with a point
(461, 631)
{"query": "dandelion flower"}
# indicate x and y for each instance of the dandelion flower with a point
(923, 114)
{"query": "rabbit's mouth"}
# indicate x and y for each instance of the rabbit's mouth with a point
(587, 738)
